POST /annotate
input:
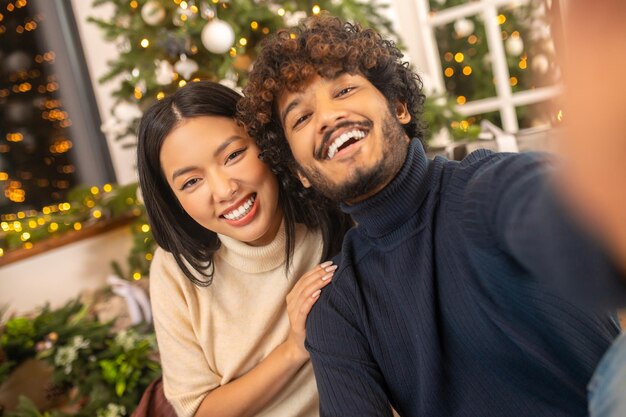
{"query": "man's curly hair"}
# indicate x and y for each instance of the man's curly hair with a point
(327, 46)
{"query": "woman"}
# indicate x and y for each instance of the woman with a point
(233, 241)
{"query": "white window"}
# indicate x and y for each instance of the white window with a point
(495, 57)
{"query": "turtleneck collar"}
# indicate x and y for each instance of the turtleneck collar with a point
(383, 212)
(252, 259)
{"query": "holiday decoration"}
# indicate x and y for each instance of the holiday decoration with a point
(467, 63)
(88, 368)
(86, 206)
(35, 137)
(164, 72)
(463, 27)
(514, 45)
(152, 13)
(172, 42)
(186, 67)
(218, 36)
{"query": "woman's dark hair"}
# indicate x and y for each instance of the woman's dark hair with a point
(327, 46)
(191, 244)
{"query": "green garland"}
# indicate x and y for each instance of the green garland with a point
(100, 372)
(85, 206)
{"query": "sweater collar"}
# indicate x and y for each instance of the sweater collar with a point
(400, 199)
(254, 259)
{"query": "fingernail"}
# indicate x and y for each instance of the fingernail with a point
(330, 268)
(327, 276)
(316, 294)
(327, 263)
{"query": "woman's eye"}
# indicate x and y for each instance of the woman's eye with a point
(300, 120)
(232, 156)
(189, 183)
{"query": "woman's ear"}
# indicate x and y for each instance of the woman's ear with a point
(402, 113)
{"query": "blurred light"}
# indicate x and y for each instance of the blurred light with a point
(160, 95)
(316, 9)
(459, 57)
(254, 25)
(182, 83)
(136, 276)
(461, 99)
(145, 43)
(243, 41)
(281, 12)
(449, 72)
(134, 4)
(467, 70)
(97, 214)
(145, 228)
(513, 81)
(559, 116)
(77, 226)
(501, 19)
(107, 188)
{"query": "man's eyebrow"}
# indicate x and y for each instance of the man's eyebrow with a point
(292, 105)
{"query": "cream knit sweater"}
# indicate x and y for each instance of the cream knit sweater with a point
(209, 336)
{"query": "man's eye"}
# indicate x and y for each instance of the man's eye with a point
(189, 183)
(300, 120)
(344, 91)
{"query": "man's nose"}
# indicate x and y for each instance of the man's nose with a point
(329, 113)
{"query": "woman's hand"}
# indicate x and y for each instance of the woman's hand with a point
(299, 302)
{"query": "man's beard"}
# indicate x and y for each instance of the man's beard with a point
(365, 181)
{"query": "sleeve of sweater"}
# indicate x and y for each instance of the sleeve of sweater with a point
(348, 380)
(509, 200)
(187, 377)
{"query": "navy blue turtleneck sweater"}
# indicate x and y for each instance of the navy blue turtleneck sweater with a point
(449, 299)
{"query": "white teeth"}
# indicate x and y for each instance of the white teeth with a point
(242, 210)
(338, 142)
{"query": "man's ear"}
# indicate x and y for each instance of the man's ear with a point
(304, 180)
(402, 112)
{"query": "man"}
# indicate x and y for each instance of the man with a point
(447, 299)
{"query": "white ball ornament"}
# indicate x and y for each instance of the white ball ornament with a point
(514, 46)
(152, 13)
(540, 64)
(463, 27)
(218, 36)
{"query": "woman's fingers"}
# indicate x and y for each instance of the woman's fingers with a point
(317, 277)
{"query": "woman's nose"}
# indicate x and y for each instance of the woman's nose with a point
(224, 188)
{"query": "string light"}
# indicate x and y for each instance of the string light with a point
(145, 43)
(243, 41)
(145, 228)
(461, 100)
(513, 81)
(449, 72)
(136, 276)
(467, 70)
(459, 57)
(254, 25)
(281, 12)
(134, 4)
(107, 188)
(316, 9)
(501, 19)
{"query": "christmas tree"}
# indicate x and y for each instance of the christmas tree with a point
(530, 53)
(164, 44)
(35, 146)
